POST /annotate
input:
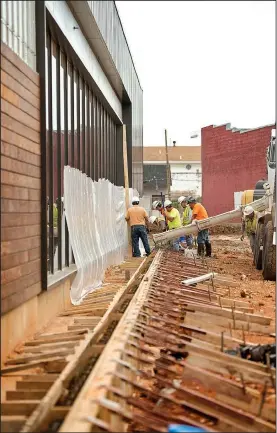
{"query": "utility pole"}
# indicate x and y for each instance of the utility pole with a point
(168, 175)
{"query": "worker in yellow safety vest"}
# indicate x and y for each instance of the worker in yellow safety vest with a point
(249, 225)
(173, 221)
(186, 241)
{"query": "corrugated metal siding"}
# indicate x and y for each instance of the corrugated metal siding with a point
(108, 21)
(18, 29)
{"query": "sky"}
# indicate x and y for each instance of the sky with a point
(202, 63)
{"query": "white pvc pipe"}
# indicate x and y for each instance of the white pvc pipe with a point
(199, 279)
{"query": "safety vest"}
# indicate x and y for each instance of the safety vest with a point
(186, 216)
(55, 216)
(250, 225)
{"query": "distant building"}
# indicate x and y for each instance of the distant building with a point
(185, 167)
(233, 160)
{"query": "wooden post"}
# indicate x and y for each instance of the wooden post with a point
(126, 176)
(168, 177)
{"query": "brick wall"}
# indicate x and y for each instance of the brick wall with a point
(231, 161)
(20, 182)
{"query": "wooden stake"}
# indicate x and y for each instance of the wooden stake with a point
(168, 176)
(126, 175)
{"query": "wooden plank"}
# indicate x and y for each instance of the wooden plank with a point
(19, 115)
(11, 424)
(19, 271)
(20, 284)
(45, 347)
(20, 103)
(19, 167)
(30, 358)
(24, 219)
(7, 53)
(19, 154)
(41, 377)
(17, 141)
(25, 395)
(224, 312)
(19, 193)
(80, 357)
(19, 128)
(20, 297)
(15, 179)
(18, 407)
(15, 233)
(38, 385)
(29, 365)
(17, 88)
(105, 362)
(54, 340)
(51, 335)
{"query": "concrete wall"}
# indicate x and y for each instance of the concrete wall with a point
(32, 316)
(232, 160)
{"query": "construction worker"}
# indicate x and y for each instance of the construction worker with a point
(249, 225)
(187, 215)
(137, 217)
(173, 221)
(157, 205)
(199, 213)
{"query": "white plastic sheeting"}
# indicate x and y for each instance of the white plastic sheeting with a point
(95, 214)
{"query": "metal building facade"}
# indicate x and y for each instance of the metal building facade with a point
(109, 23)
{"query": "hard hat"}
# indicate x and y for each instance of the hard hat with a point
(181, 199)
(156, 203)
(152, 219)
(167, 203)
(191, 200)
(135, 199)
(248, 210)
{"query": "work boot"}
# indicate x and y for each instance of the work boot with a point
(200, 250)
(208, 249)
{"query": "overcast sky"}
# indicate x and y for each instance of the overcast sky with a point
(202, 63)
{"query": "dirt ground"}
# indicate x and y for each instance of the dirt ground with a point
(233, 257)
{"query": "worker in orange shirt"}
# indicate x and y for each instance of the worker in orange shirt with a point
(200, 213)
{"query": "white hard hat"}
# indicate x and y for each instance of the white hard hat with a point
(135, 199)
(167, 203)
(181, 199)
(154, 204)
(152, 219)
(248, 210)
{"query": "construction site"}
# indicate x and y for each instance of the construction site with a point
(96, 337)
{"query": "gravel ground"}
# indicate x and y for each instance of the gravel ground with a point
(233, 257)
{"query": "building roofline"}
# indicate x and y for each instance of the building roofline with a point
(242, 130)
(127, 44)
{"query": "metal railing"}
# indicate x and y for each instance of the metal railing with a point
(18, 29)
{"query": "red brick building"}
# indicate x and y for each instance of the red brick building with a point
(232, 160)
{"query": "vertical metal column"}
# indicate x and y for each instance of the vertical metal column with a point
(40, 18)
(50, 156)
(59, 163)
(66, 234)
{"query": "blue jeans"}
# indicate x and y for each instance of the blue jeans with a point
(203, 237)
(188, 239)
(139, 232)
